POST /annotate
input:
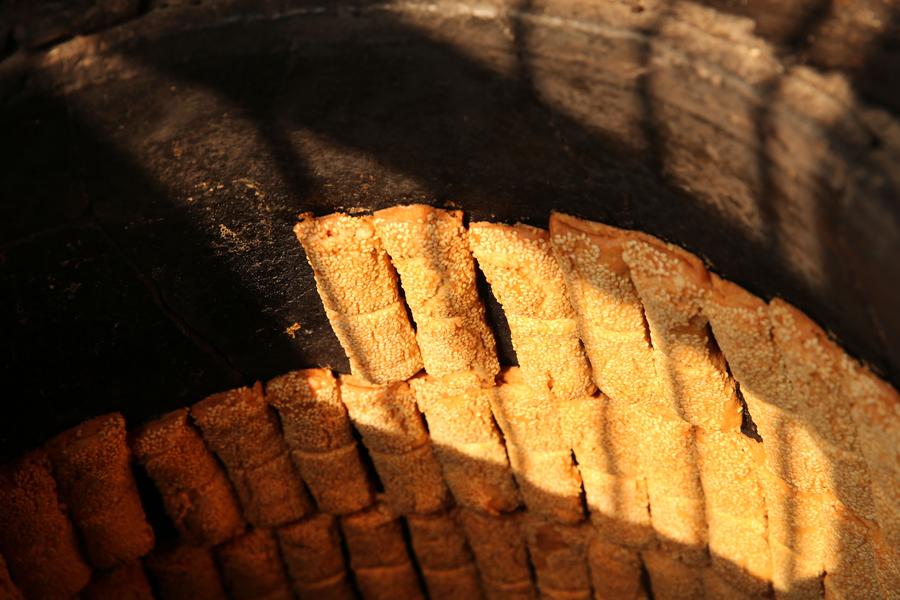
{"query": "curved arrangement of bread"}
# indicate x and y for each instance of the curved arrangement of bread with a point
(665, 432)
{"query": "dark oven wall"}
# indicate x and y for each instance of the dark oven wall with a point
(155, 156)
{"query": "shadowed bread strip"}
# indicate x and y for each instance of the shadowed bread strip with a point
(244, 432)
(388, 583)
(378, 553)
(335, 588)
(8, 589)
(670, 578)
(196, 494)
(394, 432)
(358, 287)
(438, 541)
(672, 285)
(538, 453)
(185, 573)
(520, 590)
(35, 537)
(615, 571)
(735, 508)
(374, 537)
(337, 480)
(619, 507)
(518, 262)
(429, 249)
(251, 567)
(466, 440)
(717, 588)
(498, 544)
(92, 466)
(312, 549)
(559, 555)
(125, 582)
(609, 313)
(460, 583)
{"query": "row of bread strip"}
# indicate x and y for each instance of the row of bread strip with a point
(801, 398)
(85, 475)
(354, 260)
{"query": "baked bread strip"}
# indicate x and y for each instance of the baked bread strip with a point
(388, 583)
(127, 581)
(466, 440)
(92, 466)
(378, 553)
(559, 555)
(615, 570)
(735, 509)
(460, 583)
(429, 249)
(538, 453)
(398, 443)
(358, 287)
(672, 284)
(812, 365)
(672, 579)
(876, 413)
(244, 432)
(318, 432)
(604, 440)
(518, 263)
(498, 544)
(439, 541)
(311, 549)
(252, 568)
(185, 572)
(444, 556)
(195, 491)
(335, 588)
(608, 311)
(36, 538)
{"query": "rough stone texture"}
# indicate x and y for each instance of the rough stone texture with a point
(153, 175)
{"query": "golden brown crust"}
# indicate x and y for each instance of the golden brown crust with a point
(35, 536)
(412, 480)
(429, 249)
